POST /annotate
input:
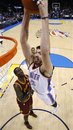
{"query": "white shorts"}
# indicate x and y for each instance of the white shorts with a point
(49, 99)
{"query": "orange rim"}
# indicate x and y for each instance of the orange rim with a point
(11, 53)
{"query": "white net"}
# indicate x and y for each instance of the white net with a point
(4, 79)
(5, 70)
(6, 75)
(5, 46)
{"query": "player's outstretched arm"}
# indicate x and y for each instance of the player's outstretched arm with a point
(45, 38)
(24, 36)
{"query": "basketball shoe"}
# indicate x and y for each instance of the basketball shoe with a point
(55, 109)
(28, 125)
(33, 114)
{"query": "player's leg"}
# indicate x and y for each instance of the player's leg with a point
(26, 122)
(31, 107)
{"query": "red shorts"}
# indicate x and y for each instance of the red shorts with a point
(25, 108)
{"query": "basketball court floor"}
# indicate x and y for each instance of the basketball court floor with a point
(61, 38)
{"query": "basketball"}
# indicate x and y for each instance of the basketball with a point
(31, 6)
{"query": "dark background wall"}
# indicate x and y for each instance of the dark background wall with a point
(11, 11)
(64, 3)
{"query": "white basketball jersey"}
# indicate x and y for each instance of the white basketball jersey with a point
(42, 86)
(39, 83)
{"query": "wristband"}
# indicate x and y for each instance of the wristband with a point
(44, 17)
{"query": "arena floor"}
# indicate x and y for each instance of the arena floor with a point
(61, 37)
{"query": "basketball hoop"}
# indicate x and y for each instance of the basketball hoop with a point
(6, 57)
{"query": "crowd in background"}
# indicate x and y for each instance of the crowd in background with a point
(66, 13)
(10, 17)
(13, 15)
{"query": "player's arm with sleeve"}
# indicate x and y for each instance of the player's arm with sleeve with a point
(20, 95)
(24, 36)
(45, 39)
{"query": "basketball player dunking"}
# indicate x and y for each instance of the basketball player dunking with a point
(40, 66)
